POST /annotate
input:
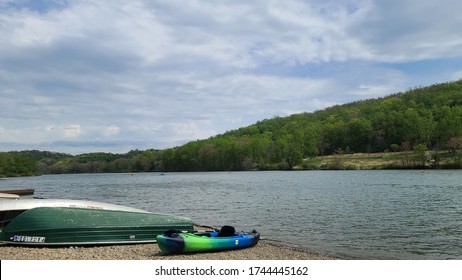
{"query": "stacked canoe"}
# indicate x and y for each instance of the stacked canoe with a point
(44, 222)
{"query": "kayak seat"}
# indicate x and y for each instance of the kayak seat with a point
(227, 231)
(172, 233)
(206, 234)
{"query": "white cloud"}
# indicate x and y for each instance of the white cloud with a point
(72, 131)
(457, 76)
(191, 129)
(318, 104)
(111, 130)
(403, 31)
(373, 90)
(49, 128)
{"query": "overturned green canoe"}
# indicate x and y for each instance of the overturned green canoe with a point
(79, 226)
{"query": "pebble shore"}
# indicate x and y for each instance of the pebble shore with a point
(262, 251)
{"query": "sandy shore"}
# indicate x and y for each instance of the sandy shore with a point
(262, 251)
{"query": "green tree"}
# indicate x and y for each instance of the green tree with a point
(421, 153)
(3, 164)
(359, 133)
(449, 124)
(311, 140)
(395, 147)
(418, 126)
(335, 136)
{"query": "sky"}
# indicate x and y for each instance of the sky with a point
(81, 76)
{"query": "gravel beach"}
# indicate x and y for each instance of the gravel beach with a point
(264, 250)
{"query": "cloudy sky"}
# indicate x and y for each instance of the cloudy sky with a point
(81, 76)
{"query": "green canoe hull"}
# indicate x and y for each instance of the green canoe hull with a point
(77, 226)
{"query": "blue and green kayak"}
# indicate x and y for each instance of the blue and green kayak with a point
(206, 241)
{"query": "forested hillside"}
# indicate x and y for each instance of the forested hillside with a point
(423, 121)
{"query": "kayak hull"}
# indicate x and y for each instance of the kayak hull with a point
(190, 242)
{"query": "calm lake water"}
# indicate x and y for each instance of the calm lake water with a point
(349, 214)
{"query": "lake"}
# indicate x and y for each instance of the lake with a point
(348, 214)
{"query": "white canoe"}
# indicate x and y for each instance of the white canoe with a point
(29, 203)
(9, 195)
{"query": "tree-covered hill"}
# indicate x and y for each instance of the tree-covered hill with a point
(418, 121)
(424, 118)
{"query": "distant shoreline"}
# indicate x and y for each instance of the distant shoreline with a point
(340, 160)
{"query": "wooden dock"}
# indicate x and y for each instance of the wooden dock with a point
(19, 192)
